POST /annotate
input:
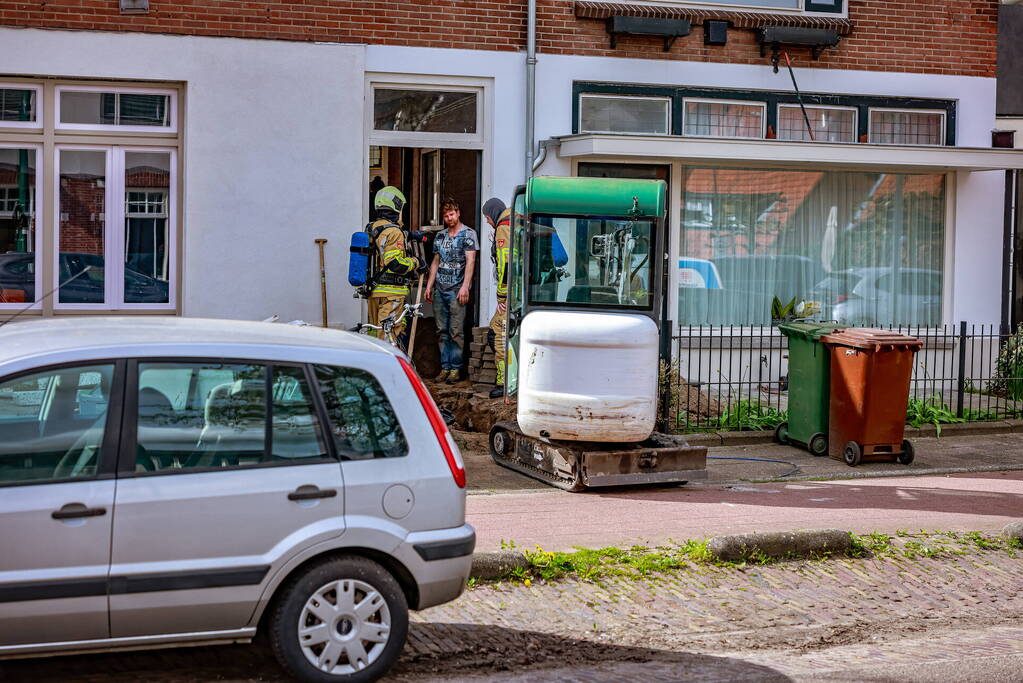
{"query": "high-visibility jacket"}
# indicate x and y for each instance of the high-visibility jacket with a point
(502, 241)
(396, 266)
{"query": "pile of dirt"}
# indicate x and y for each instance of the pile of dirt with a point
(473, 411)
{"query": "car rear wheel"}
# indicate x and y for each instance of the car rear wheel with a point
(345, 619)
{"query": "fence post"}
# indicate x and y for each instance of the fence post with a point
(961, 382)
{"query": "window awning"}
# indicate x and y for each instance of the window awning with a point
(775, 153)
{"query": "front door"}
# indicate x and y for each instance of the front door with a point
(226, 475)
(57, 454)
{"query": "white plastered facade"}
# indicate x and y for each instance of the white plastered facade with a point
(276, 134)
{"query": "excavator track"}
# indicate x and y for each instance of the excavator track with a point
(578, 466)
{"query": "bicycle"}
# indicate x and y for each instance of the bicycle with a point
(388, 324)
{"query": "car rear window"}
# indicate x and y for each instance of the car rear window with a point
(363, 423)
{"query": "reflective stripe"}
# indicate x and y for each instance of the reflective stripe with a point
(383, 289)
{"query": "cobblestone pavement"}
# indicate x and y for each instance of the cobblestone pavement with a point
(832, 620)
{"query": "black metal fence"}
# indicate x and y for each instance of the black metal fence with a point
(732, 378)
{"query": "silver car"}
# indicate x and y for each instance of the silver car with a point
(180, 481)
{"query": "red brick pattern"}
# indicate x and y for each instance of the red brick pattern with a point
(952, 37)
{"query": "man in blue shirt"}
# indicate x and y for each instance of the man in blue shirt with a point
(454, 259)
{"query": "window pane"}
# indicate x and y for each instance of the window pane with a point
(623, 115)
(17, 104)
(147, 228)
(906, 128)
(295, 430)
(362, 421)
(200, 415)
(786, 4)
(859, 248)
(114, 109)
(17, 226)
(724, 119)
(829, 125)
(82, 226)
(590, 262)
(424, 111)
(53, 423)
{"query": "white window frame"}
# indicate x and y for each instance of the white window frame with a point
(172, 105)
(38, 220)
(711, 100)
(411, 138)
(38, 123)
(113, 238)
(854, 111)
(870, 125)
(605, 96)
(147, 191)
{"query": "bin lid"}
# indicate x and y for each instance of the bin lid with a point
(807, 329)
(870, 338)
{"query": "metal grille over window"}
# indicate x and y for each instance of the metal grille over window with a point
(17, 104)
(602, 114)
(424, 111)
(829, 125)
(906, 128)
(724, 119)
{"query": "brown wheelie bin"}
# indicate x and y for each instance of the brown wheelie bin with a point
(870, 373)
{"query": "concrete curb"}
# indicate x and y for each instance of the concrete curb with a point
(799, 543)
(492, 566)
(497, 565)
(1013, 531)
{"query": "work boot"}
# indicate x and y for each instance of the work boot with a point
(450, 376)
(497, 392)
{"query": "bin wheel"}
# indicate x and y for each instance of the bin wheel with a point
(852, 454)
(819, 444)
(781, 433)
(907, 454)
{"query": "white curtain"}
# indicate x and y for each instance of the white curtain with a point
(860, 248)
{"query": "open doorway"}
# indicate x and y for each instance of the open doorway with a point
(427, 177)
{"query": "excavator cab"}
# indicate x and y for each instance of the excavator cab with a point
(585, 312)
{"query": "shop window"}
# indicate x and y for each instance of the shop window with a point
(829, 124)
(18, 226)
(425, 111)
(724, 119)
(830, 6)
(19, 106)
(857, 247)
(97, 267)
(97, 109)
(903, 127)
(611, 114)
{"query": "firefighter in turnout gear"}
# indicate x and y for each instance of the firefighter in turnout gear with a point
(499, 218)
(396, 267)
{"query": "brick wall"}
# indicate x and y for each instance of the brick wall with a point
(946, 37)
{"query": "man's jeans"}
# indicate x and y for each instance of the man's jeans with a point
(450, 325)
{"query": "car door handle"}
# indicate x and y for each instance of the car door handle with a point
(77, 510)
(311, 493)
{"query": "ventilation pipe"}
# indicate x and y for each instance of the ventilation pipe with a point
(530, 85)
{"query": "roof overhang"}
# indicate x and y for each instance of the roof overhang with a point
(775, 153)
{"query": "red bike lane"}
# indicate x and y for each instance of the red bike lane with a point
(556, 520)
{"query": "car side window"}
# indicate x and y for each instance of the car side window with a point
(194, 416)
(295, 432)
(52, 423)
(363, 422)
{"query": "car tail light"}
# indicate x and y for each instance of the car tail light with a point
(839, 298)
(447, 443)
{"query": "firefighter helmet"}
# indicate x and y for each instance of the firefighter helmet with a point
(391, 198)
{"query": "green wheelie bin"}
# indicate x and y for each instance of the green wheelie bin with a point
(809, 386)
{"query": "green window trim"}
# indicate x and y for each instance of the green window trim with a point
(862, 103)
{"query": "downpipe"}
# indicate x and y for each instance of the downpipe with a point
(530, 86)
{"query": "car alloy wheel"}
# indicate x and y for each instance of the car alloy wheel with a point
(344, 626)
